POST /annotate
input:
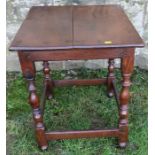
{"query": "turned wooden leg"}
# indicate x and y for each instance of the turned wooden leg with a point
(28, 69)
(37, 116)
(47, 80)
(110, 77)
(127, 64)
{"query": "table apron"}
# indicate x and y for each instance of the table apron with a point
(76, 54)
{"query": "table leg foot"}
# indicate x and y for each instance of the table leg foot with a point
(44, 148)
(110, 94)
(122, 145)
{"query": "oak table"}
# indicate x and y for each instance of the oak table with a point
(59, 33)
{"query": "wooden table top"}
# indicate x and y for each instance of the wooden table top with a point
(67, 27)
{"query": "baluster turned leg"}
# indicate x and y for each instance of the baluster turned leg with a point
(110, 77)
(37, 116)
(28, 69)
(127, 64)
(47, 80)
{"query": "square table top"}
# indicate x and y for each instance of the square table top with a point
(67, 27)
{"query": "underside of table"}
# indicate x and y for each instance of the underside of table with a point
(126, 55)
